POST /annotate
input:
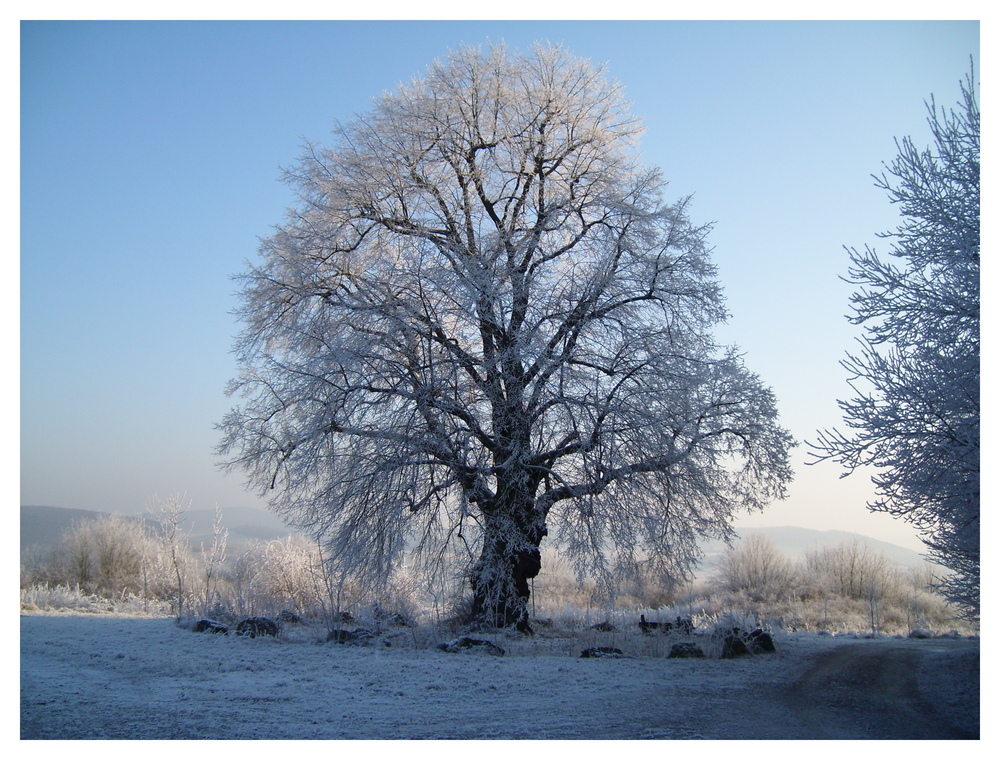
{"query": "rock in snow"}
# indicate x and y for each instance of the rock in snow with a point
(759, 641)
(341, 636)
(287, 616)
(209, 626)
(685, 649)
(607, 652)
(256, 626)
(466, 644)
(738, 642)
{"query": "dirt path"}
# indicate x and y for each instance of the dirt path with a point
(869, 689)
(873, 691)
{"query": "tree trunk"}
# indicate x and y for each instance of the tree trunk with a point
(510, 558)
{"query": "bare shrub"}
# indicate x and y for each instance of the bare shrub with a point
(212, 559)
(170, 514)
(113, 556)
(755, 567)
(848, 568)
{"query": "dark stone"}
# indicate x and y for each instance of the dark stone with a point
(398, 619)
(464, 643)
(209, 626)
(759, 642)
(341, 636)
(604, 626)
(685, 649)
(256, 626)
(287, 616)
(606, 652)
(739, 643)
(733, 646)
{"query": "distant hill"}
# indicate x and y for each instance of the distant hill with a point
(44, 527)
(797, 542)
(245, 525)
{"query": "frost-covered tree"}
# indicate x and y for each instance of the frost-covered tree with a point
(756, 567)
(105, 555)
(847, 569)
(170, 515)
(482, 325)
(915, 415)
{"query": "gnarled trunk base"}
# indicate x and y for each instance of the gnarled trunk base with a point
(501, 578)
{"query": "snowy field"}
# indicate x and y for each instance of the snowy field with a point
(105, 677)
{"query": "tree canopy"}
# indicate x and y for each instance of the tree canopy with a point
(483, 325)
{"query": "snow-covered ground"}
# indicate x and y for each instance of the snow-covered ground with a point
(90, 676)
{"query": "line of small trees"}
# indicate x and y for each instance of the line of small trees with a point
(113, 557)
(831, 586)
(150, 565)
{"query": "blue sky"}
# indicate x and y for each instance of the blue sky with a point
(151, 154)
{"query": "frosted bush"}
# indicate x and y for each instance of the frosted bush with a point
(59, 597)
(744, 621)
(134, 605)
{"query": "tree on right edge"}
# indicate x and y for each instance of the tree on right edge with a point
(915, 414)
